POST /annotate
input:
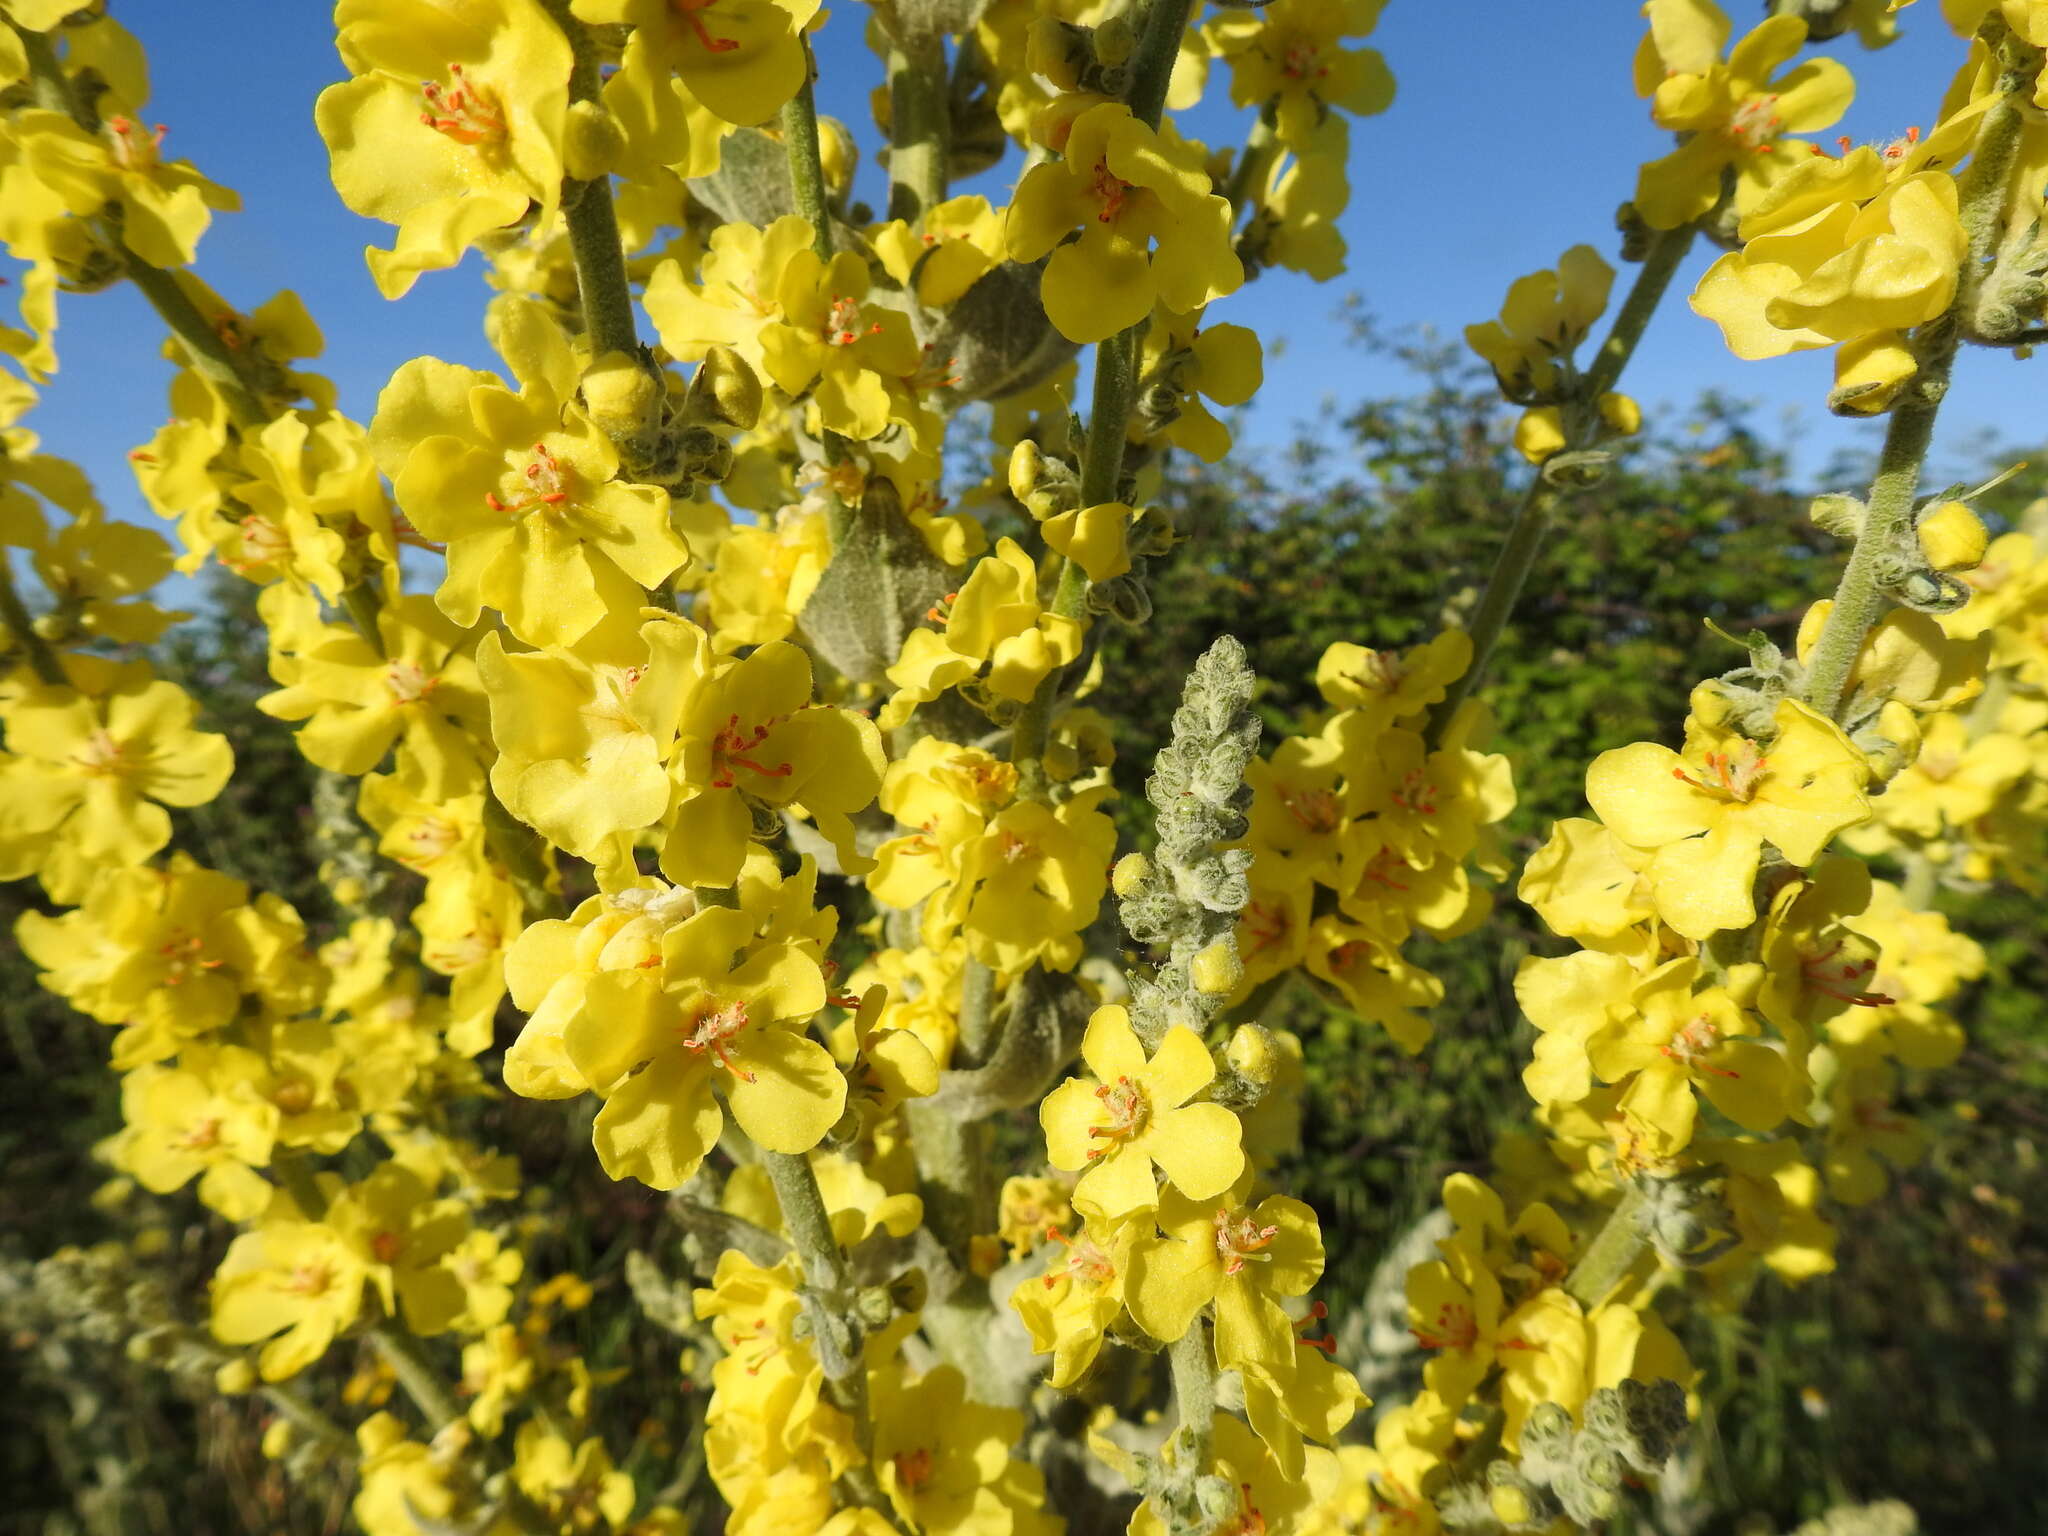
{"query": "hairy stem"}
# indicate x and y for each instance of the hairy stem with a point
(1248, 177)
(1612, 1253)
(828, 1301)
(917, 122)
(806, 160)
(1542, 499)
(522, 854)
(593, 223)
(300, 1409)
(21, 629)
(1194, 1397)
(421, 1381)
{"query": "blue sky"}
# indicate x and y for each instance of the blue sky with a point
(1514, 135)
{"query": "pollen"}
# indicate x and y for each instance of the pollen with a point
(1126, 1113)
(730, 749)
(713, 1026)
(544, 482)
(1240, 1240)
(462, 110)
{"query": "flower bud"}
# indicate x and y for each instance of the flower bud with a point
(623, 398)
(235, 1378)
(725, 390)
(1115, 40)
(1217, 969)
(592, 141)
(278, 1438)
(1837, 514)
(1953, 538)
(1130, 875)
(838, 153)
(1621, 414)
(1540, 433)
(1254, 1053)
(1027, 465)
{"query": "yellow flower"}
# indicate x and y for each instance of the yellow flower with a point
(418, 691)
(1031, 881)
(943, 1460)
(207, 1118)
(93, 768)
(1125, 187)
(583, 745)
(1134, 1114)
(1680, 1040)
(1290, 55)
(1836, 252)
(995, 619)
(656, 1053)
(1243, 1259)
(1392, 685)
(954, 244)
(741, 58)
(293, 1282)
(452, 126)
(521, 490)
(750, 733)
(162, 203)
(1706, 815)
(1731, 116)
(1222, 363)
(1543, 319)
(1081, 1293)
(1956, 778)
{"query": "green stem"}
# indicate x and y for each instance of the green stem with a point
(1860, 599)
(1194, 1397)
(522, 855)
(600, 266)
(1612, 1253)
(1248, 177)
(835, 1331)
(1922, 876)
(1660, 264)
(297, 1407)
(22, 628)
(421, 1381)
(1152, 60)
(1543, 497)
(917, 122)
(806, 160)
(593, 223)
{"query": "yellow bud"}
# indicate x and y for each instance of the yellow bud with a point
(1217, 969)
(235, 1378)
(277, 1440)
(1026, 465)
(1253, 1053)
(1540, 433)
(1810, 626)
(1115, 40)
(1953, 538)
(839, 154)
(623, 398)
(725, 389)
(1510, 1505)
(592, 142)
(985, 1254)
(1621, 414)
(1129, 875)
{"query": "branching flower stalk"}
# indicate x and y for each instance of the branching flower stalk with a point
(1862, 598)
(1556, 482)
